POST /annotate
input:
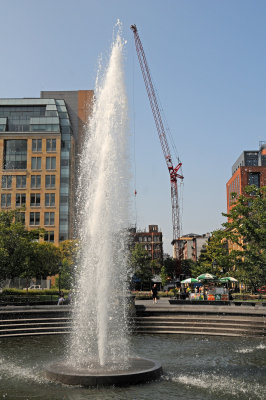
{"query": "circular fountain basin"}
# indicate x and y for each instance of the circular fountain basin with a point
(140, 370)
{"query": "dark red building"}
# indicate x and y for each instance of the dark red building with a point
(152, 241)
(249, 169)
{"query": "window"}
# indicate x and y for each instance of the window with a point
(252, 159)
(15, 154)
(144, 238)
(140, 239)
(34, 218)
(20, 181)
(49, 199)
(50, 162)
(49, 218)
(149, 238)
(254, 178)
(36, 162)
(36, 145)
(50, 145)
(6, 181)
(20, 217)
(49, 236)
(20, 199)
(63, 199)
(50, 181)
(64, 163)
(35, 199)
(5, 200)
(64, 180)
(35, 181)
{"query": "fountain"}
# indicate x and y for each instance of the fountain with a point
(195, 366)
(99, 352)
(99, 347)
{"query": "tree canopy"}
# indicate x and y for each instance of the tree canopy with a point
(215, 259)
(21, 254)
(141, 263)
(15, 244)
(239, 249)
(246, 230)
(69, 250)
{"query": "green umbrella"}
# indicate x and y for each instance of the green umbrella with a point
(228, 279)
(206, 277)
(190, 280)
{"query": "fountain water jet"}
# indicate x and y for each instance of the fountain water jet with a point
(98, 347)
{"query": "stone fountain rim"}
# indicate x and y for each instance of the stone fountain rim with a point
(138, 374)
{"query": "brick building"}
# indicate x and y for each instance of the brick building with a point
(249, 169)
(152, 241)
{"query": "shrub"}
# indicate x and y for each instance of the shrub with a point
(20, 292)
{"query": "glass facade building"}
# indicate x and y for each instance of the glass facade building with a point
(39, 139)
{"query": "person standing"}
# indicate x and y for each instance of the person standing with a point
(61, 299)
(154, 292)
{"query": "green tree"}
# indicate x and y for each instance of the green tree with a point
(15, 244)
(49, 258)
(69, 250)
(187, 266)
(163, 276)
(170, 265)
(246, 228)
(21, 254)
(141, 263)
(215, 259)
(42, 260)
(155, 266)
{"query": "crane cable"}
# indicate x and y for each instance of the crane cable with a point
(171, 139)
(169, 134)
(134, 139)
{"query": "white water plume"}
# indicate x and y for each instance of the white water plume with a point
(100, 310)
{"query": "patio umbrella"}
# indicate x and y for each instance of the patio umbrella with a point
(190, 280)
(228, 279)
(206, 277)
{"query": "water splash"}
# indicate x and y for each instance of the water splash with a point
(12, 370)
(100, 310)
(216, 384)
(261, 346)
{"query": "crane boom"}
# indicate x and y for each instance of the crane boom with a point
(173, 171)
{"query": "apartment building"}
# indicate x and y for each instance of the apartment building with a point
(249, 169)
(152, 241)
(191, 245)
(40, 140)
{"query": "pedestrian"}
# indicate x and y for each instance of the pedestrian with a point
(69, 297)
(154, 292)
(61, 299)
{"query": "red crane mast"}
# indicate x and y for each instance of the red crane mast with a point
(162, 136)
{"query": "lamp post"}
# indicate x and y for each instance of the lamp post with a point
(59, 276)
(214, 264)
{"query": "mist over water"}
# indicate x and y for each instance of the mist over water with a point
(100, 310)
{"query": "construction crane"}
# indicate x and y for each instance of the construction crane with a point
(173, 171)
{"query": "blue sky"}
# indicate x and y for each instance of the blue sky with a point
(208, 62)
